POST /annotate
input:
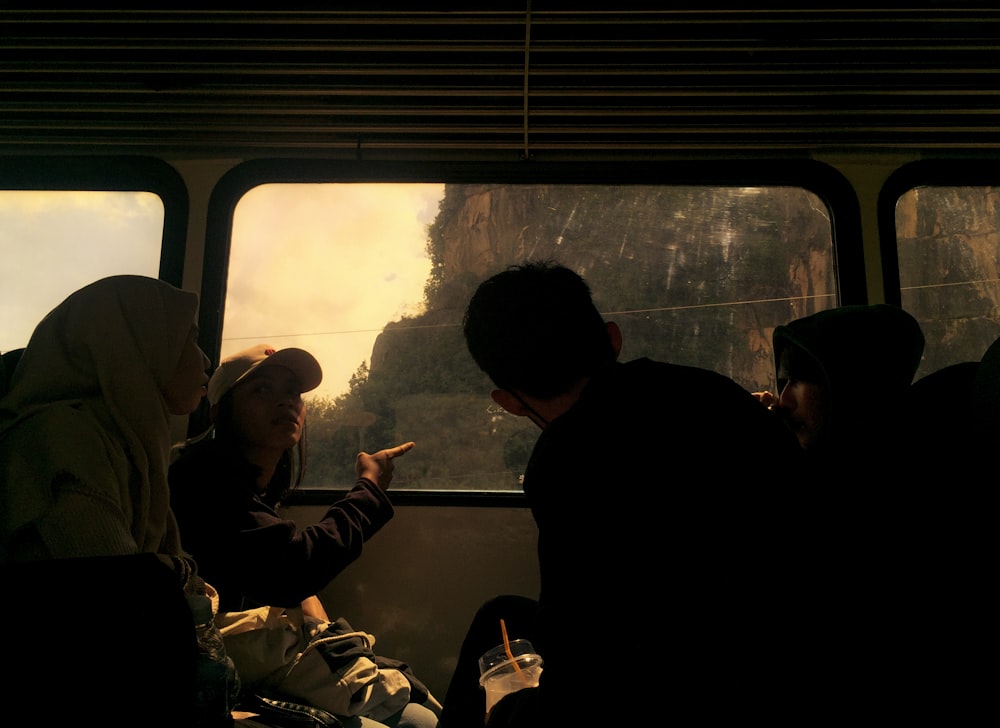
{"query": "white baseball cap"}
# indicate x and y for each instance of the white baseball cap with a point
(235, 368)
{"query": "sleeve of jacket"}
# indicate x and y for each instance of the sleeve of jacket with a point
(246, 549)
(281, 563)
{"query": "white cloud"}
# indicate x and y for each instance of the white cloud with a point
(325, 267)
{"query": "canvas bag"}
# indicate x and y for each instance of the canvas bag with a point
(283, 654)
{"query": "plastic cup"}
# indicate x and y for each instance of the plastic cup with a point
(498, 675)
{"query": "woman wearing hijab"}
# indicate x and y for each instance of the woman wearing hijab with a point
(85, 427)
(92, 563)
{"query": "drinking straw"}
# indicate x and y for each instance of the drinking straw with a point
(506, 646)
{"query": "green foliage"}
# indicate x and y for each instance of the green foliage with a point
(436, 246)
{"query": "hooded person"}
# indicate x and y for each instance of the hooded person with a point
(906, 532)
(844, 378)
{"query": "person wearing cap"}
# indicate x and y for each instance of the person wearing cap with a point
(227, 485)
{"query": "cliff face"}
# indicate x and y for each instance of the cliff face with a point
(656, 265)
(703, 290)
(681, 283)
(949, 250)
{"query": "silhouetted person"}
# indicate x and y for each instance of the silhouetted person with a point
(673, 577)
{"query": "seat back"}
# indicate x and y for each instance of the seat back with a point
(108, 640)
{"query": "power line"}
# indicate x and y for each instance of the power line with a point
(628, 312)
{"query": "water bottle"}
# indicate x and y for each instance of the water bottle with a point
(217, 680)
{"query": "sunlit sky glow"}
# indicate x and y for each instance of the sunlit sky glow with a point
(321, 267)
(325, 267)
(57, 242)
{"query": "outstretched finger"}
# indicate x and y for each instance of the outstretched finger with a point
(395, 452)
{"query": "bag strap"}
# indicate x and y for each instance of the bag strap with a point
(285, 714)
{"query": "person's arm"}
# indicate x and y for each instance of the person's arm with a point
(378, 468)
(277, 562)
(274, 561)
(313, 607)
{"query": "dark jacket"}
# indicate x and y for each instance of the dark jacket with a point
(245, 549)
(673, 564)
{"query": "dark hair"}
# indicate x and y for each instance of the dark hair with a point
(291, 468)
(534, 328)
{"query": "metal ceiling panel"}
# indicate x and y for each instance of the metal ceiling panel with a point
(522, 81)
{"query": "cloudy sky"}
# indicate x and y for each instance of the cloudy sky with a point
(321, 267)
(325, 267)
(55, 242)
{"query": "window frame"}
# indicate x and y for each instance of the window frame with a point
(113, 174)
(939, 172)
(923, 173)
(818, 178)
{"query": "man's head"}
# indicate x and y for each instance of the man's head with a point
(533, 329)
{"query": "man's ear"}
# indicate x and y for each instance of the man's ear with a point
(509, 402)
(615, 336)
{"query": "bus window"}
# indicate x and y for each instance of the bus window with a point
(56, 241)
(948, 240)
(373, 279)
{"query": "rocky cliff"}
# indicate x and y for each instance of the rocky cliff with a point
(708, 289)
(680, 283)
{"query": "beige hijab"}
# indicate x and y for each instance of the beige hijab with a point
(111, 347)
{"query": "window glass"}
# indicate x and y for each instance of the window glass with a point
(948, 241)
(373, 279)
(55, 242)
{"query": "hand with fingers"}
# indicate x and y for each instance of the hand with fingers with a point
(378, 466)
(766, 398)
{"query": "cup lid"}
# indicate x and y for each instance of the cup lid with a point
(524, 661)
(497, 656)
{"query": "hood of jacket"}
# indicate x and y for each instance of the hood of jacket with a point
(868, 352)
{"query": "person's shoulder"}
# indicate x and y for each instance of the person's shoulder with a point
(712, 401)
(198, 455)
(676, 400)
(57, 425)
(206, 461)
(682, 377)
(657, 367)
(69, 439)
(205, 479)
